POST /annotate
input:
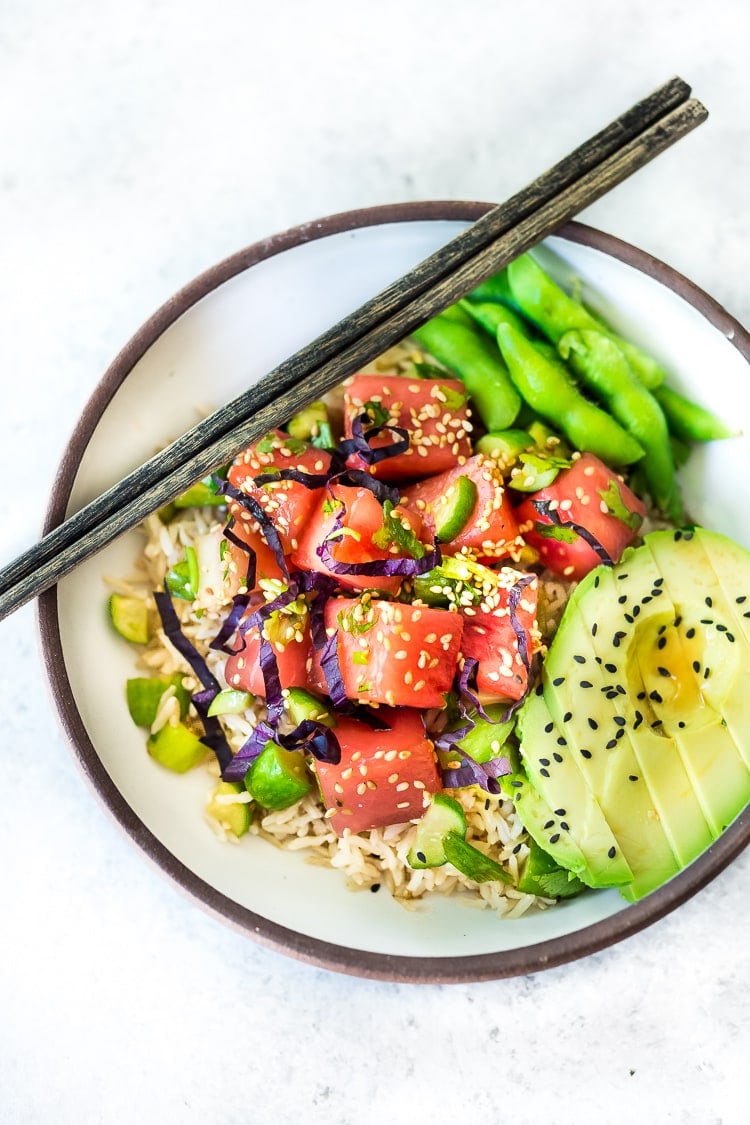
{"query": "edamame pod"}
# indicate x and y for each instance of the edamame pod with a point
(489, 316)
(600, 365)
(552, 395)
(463, 349)
(688, 420)
(495, 288)
(555, 313)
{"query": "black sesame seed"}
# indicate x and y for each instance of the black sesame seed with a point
(554, 838)
(696, 666)
(636, 610)
(721, 627)
(558, 680)
(706, 673)
(621, 690)
(681, 724)
(663, 671)
(566, 719)
(579, 659)
(594, 629)
(629, 618)
(646, 600)
(612, 852)
(619, 733)
(611, 667)
(621, 577)
(638, 720)
(593, 723)
(622, 599)
(539, 689)
(559, 812)
(544, 773)
(421, 857)
(586, 683)
(658, 582)
(687, 535)
(562, 741)
(557, 757)
(741, 599)
(660, 630)
(709, 602)
(619, 721)
(707, 620)
(611, 744)
(690, 633)
(677, 536)
(612, 694)
(596, 582)
(549, 824)
(655, 696)
(661, 643)
(517, 849)
(486, 804)
(549, 728)
(544, 761)
(730, 637)
(585, 753)
(565, 826)
(517, 784)
(656, 723)
(746, 614)
(641, 695)
(632, 777)
(375, 887)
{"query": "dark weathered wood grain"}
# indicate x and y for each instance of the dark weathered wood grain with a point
(497, 238)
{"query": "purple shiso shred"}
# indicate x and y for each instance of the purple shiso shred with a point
(381, 568)
(214, 736)
(469, 772)
(266, 524)
(544, 509)
(513, 599)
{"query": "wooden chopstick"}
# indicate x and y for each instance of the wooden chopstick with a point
(505, 232)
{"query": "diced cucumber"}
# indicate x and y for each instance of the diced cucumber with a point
(444, 816)
(130, 617)
(230, 702)
(505, 445)
(200, 494)
(548, 440)
(312, 424)
(452, 511)
(176, 748)
(301, 705)
(471, 862)
(486, 740)
(278, 778)
(534, 472)
(233, 816)
(144, 694)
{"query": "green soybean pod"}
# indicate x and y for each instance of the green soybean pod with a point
(475, 359)
(601, 365)
(495, 288)
(688, 420)
(489, 315)
(551, 393)
(555, 313)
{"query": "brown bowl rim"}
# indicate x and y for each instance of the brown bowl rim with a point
(388, 967)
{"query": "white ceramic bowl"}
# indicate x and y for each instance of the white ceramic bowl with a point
(228, 327)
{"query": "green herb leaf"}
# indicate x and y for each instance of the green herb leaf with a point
(395, 532)
(554, 531)
(617, 507)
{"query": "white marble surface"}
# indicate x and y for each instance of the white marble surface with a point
(140, 143)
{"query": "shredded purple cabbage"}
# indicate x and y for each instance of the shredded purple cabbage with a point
(248, 752)
(329, 661)
(214, 736)
(269, 666)
(251, 572)
(544, 509)
(359, 442)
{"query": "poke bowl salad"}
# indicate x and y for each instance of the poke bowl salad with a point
(451, 630)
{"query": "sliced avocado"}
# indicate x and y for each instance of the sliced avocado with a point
(569, 806)
(666, 746)
(541, 824)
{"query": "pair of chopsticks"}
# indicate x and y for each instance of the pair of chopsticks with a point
(505, 232)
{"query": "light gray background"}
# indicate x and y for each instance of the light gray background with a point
(141, 142)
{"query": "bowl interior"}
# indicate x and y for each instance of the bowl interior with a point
(232, 335)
